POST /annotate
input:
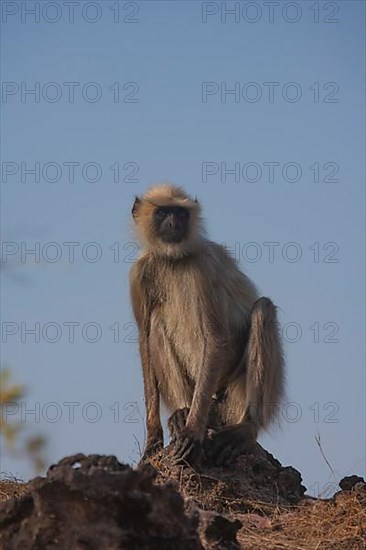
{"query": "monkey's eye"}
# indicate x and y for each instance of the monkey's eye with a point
(160, 214)
(183, 214)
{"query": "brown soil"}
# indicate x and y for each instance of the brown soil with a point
(95, 502)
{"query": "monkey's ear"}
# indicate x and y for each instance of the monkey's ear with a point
(195, 199)
(135, 207)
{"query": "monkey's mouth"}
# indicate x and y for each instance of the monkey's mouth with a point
(172, 238)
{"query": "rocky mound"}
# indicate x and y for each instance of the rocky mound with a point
(256, 479)
(95, 502)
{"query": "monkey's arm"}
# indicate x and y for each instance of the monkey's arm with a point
(209, 370)
(154, 431)
(188, 442)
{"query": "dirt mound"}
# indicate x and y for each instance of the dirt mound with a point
(93, 502)
(256, 480)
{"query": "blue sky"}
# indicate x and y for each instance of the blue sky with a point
(151, 98)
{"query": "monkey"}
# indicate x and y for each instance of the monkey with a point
(209, 345)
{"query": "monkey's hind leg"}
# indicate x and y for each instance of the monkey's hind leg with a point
(254, 400)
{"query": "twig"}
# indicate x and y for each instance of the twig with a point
(318, 442)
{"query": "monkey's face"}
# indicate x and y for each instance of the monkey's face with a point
(171, 223)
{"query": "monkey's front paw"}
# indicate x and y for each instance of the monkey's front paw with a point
(186, 447)
(177, 422)
(228, 443)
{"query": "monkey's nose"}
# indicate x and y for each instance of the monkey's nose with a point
(172, 222)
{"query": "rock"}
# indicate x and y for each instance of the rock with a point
(348, 482)
(254, 477)
(94, 502)
(255, 520)
(216, 531)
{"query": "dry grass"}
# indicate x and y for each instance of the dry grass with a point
(12, 488)
(336, 524)
(312, 524)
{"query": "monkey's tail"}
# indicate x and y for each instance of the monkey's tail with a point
(264, 365)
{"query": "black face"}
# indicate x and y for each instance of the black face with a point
(171, 223)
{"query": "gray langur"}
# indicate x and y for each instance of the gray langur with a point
(210, 347)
